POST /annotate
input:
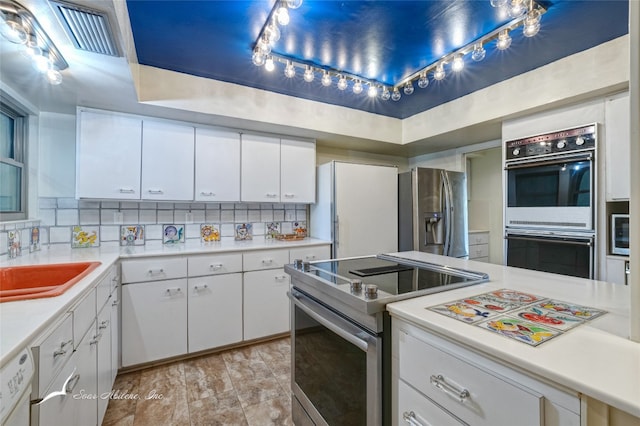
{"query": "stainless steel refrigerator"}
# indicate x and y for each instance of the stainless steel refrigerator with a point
(432, 212)
(356, 208)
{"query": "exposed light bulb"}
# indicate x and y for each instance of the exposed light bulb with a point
(54, 77)
(42, 62)
(258, 57)
(32, 48)
(408, 88)
(458, 63)
(423, 81)
(531, 23)
(385, 94)
(308, 74)
(357, 87)
(12, 28)
(289, 70)
(498, 3)
(294, 4)
(272, 32)
(478, 53)
(283, 15)
(439, 72)
(326, 79)
(395, 96)
(342, 82)
(263, 45)
(373, 91)
(504, 40)
(517, 8)
(269, 65)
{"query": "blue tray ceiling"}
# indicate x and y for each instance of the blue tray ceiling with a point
(380, 40)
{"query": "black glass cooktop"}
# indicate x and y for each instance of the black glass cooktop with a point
(391, 277)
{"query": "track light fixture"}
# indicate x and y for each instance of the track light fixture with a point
(525, 13)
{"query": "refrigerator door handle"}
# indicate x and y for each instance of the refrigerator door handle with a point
(446, 186)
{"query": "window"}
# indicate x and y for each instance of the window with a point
(12, 164)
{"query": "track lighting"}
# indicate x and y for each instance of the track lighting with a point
(478, 53)
(504, 40)
(308, 75)
(439, 73)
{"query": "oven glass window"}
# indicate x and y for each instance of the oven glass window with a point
(556, 185)
(566, 258)
(622, 233)
(330, 371)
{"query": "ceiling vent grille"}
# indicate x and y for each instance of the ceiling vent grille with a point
(88, 29)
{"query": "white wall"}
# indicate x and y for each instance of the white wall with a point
(326, 154)
(57, 169)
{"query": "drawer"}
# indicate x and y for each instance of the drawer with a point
(265, 259)
(84, 314)
(103, 290)
(154, 269)
(476, 238)
(103, 323)
(416, 409)
(474, 395)
(52, 353)
(309, 254)
(215, 264)
(477, 251)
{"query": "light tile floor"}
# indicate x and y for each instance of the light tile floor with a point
(245, 386)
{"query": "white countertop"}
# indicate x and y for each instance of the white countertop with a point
(595, 358)
(22, 321)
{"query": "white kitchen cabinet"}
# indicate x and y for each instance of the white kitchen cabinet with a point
(217, 165)
(167, 161)
(618, 145)
(155, 314)
(266, 305)
(108, 155)
(114, 306)
(104, 373)
(215, 311)
(260, 169)
(479, 246)
(616, 269)
(297, 171)
(464, 385)
(86, 411)
(310, 254)
(413, 406)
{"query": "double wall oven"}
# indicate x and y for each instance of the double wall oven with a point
(550, 199)
(340, 338)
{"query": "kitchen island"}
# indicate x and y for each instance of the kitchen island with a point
(595, 361)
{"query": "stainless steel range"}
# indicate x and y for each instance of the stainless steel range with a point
(341, 333)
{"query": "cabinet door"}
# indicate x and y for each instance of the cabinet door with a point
(108, 156)
(87, 352)
(617, 143)
(217, 165)
(616, 272)
(297, 171)
(266, 305)
(155, 314)
(167, 161)
(104, 376)
(215, 311)
(115, 332)
(260, 169)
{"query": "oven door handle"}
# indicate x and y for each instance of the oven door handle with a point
(548, 162)
(307, 306)
(588, 242)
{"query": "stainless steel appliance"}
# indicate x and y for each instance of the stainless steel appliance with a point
(432, 212)
(620, 234)
(340, 341)
(356, 208)
(550, 198)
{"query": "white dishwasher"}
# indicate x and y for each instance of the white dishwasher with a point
(15, 389)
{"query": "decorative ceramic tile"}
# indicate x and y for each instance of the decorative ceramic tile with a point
(568, 309)
(209, 232)
(132, 235)
(172, 234)
(514, 296)
(13, 243)
(272, 229)
(300, 228)
(546, 318)
(519, 329)
(244, 231)
(463, 312)
(85, 236)
(491, 303)
(34, 242)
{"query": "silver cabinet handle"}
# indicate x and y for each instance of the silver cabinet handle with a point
(115, 302)
(410, 418)
(440, 383)
(289, 195)
(215, 266)
(155, 191)
(198, 287)
(267, 261)
(104, 324)
(156, 271)
(62, 349)
(127, 191)
(96, 339)
(208, 194)
(67, 388)
(309, 257)
(172, 291)
(280, 277)
(271, 195)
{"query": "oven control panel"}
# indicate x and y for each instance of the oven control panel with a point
(576, 139)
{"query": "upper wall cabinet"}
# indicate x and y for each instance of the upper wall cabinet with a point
(618, 145)
(108, 156)
(217, 175)
(275, 170)
(167, 161)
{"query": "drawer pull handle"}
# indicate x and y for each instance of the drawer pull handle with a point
(207, 194)
(309, 257)
(156, 271)
(115, 302)
(289, 195)
(280, 277)
(96, 339)
(62, 350)
(215, 266)
(198, 287)
(155, 191)
(267, 261)
(67, 388)
(271, 195)
(459, 394)
(410, 418)
(170, 291)
(104, 324)
(127, 191)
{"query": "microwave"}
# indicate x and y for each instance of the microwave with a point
(620, 234)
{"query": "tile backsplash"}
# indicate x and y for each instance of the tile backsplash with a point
(57, 217)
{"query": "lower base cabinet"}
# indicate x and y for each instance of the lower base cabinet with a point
(266, 304)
